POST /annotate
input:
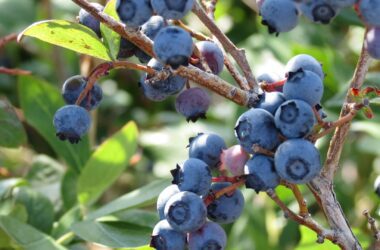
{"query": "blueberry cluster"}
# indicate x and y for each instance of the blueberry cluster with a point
(188, 217)
(72, 121)
(281, 122)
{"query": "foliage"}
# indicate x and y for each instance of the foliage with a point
(54, 195)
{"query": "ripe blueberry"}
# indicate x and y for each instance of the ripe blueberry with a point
(210, 236)
(213, 55)
(256, 126)
(172, 9)
(207, 147)
(261, 173)
(372, 42)
(134, 12)
(294, 118)
(164, 197)
(270, 101)
(297, 161)
(319, 11)
(164, 237)
(228, 207)
(305, 62)
(88, 20)
(193, 103)
(71, 122)
(173, 46)
(185, 212)
(304, 85)
(369, 10)
(193, 175)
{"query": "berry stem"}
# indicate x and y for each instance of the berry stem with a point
(304, 211)
(271, 87)
(197, 35)
(237, 54)
(306, 221)
(233, 179)
(373, 226)
(256, 148)
(216, 195)
(7, 39)
(14, 72)
(203, 62)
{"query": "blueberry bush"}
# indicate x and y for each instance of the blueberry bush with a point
(189, 124)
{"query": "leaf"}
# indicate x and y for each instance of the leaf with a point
(107, 163)
(113, 233)
(308, 241)
(69, 35)
(26, 236)
(141, 197)
(12, 132)
(63, 226)
(39, 101)
(111, 38)
(40, 209)
(69, 189)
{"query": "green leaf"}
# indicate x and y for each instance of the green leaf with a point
(26, 236)
(40, 209)
(39, 101)
(107, 163)
(111, 38)
(141, 197)
(63, 226)
(308, 241)
(113, 233)
(69, 35)
(69, 189)
(12, 132)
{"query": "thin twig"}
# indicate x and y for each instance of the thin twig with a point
(6, 39)
(306, 221)
(304, 211)
(237, 54)
(216, 195)
(372, 224)
(197, 35)
(14, 72)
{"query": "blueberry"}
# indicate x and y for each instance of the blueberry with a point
(297, 161)
(207, 147)
(213, 55)
(228, 207)
(71, 122)
(185, 212)
(150, 29)
(304, 85)
(305, 62)
(172, 9)
(321, 112)
(193, 103)
(164, 197)
(279, 15)
(377, 185)
(160, 90)
(88, 20)
(134, 12)
(73, 87)
(295, 119)
(372, 42)
(261, 174)
(234, 159)
(270, 101)
(256, 126)
(369, 10)
(173, 46)
(193, 175)
(343, 3)
(127, 49)
(210, 236)
(164, 237)
(319, 11)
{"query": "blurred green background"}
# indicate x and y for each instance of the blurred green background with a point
(38, 180)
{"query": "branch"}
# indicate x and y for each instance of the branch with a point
(14, 72)
(7, 39)
(372, 224)
(237, 54)
(304, 211)
(306, 221)
(322, 185)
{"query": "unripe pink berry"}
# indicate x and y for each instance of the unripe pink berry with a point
(234, 159)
